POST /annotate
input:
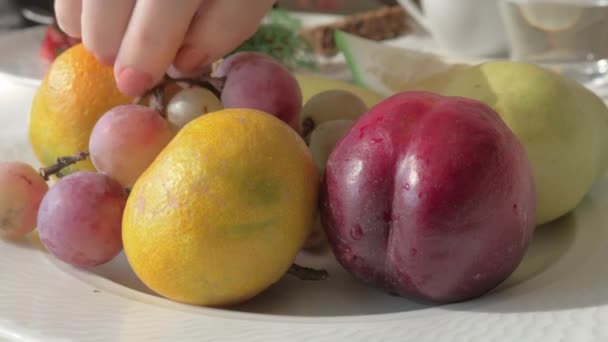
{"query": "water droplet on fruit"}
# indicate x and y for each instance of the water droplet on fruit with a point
(349, 256)
(477, 276)
(356, 233)
(376, 140)
(406, 187)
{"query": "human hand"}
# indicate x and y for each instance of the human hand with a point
(142, 39)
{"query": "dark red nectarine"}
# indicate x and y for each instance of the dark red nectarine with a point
(429, 197)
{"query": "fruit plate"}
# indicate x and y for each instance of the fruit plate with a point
(559, 292)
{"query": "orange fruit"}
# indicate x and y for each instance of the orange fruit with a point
(75, 92)
(222, 212)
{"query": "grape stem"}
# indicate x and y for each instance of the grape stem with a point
(213, 84)
(157, 99)
(305, 273)
(308, 125)
(62, 162)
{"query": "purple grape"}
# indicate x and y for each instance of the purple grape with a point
(126, 140)
(80, 219)
(263, 84)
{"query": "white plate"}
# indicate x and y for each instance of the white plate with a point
(560, 292)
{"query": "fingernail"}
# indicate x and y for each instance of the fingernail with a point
(190, 58)
(133, 83)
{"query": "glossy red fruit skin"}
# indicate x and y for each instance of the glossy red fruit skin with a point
(429, 197)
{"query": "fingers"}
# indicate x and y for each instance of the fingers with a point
(68, 14)
(153, 36)
(104, 24)
(143, 38)
(219, 27)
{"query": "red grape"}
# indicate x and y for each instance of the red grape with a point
(126, 140)
(224, 68)
(80, 219)
(21, 190)
(263, 84)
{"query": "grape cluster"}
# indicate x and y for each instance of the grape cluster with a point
(325, 119)
(79, 218)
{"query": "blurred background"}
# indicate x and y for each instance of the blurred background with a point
(11, 16)
(372, 19)
(346, 7)
(11, 11)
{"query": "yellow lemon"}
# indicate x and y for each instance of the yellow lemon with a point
(74, 93)
(222, 212)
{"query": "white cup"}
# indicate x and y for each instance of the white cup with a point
(471, 28)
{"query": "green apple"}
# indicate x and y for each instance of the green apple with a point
(562, 125)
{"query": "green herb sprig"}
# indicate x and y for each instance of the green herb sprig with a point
(279, 38)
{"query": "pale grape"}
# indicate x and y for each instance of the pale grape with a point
(190, 103)
(126, 140)
(21, 191)
(330, 105)
(80, 219)
(263, 84)
(325, 137)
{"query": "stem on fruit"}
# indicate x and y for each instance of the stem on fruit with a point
(306, 273)
(157, 101)
(156, 94)
(62, 162)
(213, 84)
(308, 125)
